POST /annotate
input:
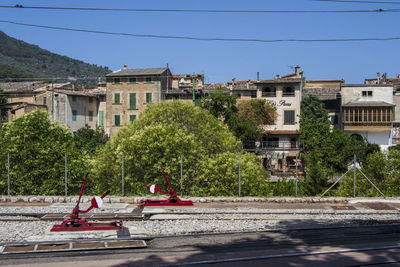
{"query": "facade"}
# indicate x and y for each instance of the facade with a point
(367, 111)
(329, 91)
(75, 109)
(129, 90)
(280, 143)
(186, 87)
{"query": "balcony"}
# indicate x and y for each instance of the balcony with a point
(271, 145)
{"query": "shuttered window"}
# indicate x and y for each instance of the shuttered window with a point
(117, 120)
(148, 98)
(288, 117)
(101, 118)
(132, 100)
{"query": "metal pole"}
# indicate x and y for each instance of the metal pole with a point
(8, 174)
(354, 188)
(123, 185)
(239, 175)
(373, 184)
(336, 182)
(181, 173)
(297, 177)
(65, 180)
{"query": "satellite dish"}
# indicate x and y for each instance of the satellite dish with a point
(97, 202)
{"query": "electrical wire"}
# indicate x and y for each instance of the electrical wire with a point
(195, 10)
(205, 38)
(360, 2)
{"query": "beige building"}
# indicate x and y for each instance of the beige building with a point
(129, 90)
(367, 112)
(280, 143)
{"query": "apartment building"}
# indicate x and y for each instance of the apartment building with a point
(129, 90)
(367, 112)
(280, 143)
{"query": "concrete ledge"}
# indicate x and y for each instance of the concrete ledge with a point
(137, 199)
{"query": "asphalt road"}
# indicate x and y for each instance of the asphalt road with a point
(358, 246)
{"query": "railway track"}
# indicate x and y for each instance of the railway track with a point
(239, 215)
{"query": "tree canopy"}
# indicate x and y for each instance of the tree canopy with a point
(37, 149)
(164, 132)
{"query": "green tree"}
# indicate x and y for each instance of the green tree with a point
(163, 132)
(314, 122)
(37, 148)
(88, 140)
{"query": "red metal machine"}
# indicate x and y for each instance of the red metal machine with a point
(173, 199)
(74, 223)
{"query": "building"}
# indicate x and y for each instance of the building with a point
(129, 90)
(76, 108)
(186, 87)
(367, 112)
(329, 92)
(280, 143)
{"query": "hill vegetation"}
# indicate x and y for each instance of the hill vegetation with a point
(19, 59)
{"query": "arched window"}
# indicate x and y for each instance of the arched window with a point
(357, 137)
(269, 92)
(288, 91)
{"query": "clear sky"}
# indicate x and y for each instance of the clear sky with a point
(219, 61)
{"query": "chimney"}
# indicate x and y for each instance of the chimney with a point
(378, 75)
(297, 70)
(125, 66)
(167, 66)
(258, 75)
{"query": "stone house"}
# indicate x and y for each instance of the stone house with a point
(129, 90)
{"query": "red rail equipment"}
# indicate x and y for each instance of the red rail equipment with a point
(173, 199)
(74, 223)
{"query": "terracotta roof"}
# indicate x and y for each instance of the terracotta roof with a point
(133, 72)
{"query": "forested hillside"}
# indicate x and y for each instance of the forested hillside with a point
(19, 59)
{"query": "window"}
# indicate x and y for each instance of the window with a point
(132, 118)
(366, 93)
(117, 80)
(101, 98)
(117, 120)
(74, 98)
(148, 98)
(148, 80)
(90, 115)
(132, 80)
(293, 142)
(101, 118)
(116, 98)
(132, 101)
(269, 92)
(272, 142)
(44, 100)
(74, 113)
(288, 91)
(288, 117)
(90, 100)
(253, 94)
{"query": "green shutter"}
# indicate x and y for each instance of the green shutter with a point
(101, 118)
(132, 100)
(117, 121)
(90, 115)
(132, 118)
(148, 98)
(74, 113)
(116, 98)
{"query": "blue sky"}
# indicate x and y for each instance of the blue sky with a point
(219, 61)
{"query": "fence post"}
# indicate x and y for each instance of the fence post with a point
(8, 174)
(297, 176)
(65, 179)
(181, 174)
(239, 176)
(123, 182)
(354, 192)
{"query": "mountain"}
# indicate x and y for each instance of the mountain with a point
(19, 59)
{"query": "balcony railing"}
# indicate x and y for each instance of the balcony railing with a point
(268, 94)
(288, 94)
(271, 145)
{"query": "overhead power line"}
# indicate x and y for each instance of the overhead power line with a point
(361, 2)
(195, 10)
(194, 38)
